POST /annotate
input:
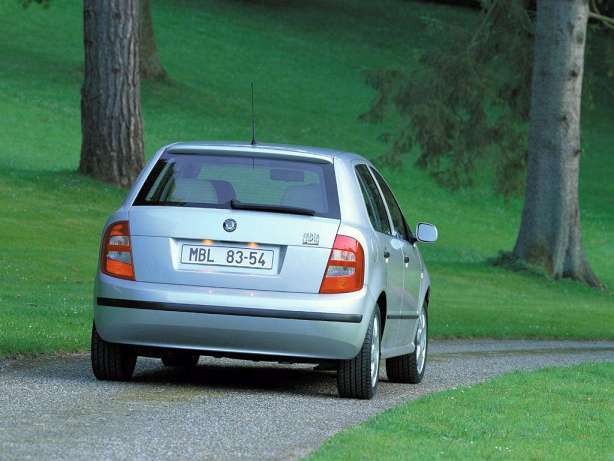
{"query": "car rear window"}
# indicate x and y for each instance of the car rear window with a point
(223, 180)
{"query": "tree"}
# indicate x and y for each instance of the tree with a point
(111, 120)
(466, 103)
(470, 103)
(151, 67)
(549, 233)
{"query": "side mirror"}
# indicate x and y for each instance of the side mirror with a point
(426, 232)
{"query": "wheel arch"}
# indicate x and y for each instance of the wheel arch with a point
(383, 309)
(426, 298)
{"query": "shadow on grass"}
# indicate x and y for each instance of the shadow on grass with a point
(507, 260)
(53, 181)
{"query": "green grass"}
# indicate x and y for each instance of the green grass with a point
(557, 413)
(307, 61)
(48, 259)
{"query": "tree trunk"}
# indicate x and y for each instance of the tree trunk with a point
(550, 230)
(111, 120)
(151, 68)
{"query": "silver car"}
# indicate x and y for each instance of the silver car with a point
(265, 252)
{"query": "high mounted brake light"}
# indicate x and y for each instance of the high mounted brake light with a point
(116, 254)
(346, 267)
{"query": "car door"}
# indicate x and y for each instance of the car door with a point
(391, 254)
(412, 265)
(413, 272)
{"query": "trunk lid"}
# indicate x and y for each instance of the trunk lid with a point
(298, 247)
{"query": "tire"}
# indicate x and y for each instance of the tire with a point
(409, 368)
(358, 378)
(179, 359)
(110, 361)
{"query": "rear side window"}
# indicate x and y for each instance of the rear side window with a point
(395, 211)
(221, 180)
(373, 200)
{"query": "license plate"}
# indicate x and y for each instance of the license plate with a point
(226, 256)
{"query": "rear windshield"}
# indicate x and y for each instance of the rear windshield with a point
(244, 182)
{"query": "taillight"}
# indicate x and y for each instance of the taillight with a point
(346, 267)
(116, 255)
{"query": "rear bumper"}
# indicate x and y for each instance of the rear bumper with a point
(222, 320)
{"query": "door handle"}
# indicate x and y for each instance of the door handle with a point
(386, 254)
(406, 259)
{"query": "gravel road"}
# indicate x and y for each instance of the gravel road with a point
(52, 408)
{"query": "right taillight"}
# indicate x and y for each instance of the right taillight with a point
(346, 267)
(116, 254)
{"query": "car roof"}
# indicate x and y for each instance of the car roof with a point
(281, 149)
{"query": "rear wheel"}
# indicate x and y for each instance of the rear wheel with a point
(358, 378)
(409, 368)
(110, 361)
(179, 359)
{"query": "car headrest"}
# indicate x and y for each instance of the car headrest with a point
(193, 191)
(308, 196)
(224, 190)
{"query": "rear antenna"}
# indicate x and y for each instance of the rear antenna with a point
(253, 119)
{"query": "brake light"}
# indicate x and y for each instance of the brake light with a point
(346, 267)
(116, 255)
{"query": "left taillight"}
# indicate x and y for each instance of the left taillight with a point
(116, 254)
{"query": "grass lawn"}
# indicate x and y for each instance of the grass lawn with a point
(556, 413)
(307, 61)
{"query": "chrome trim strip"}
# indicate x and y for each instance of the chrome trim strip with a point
(225, 310)
(403, 317)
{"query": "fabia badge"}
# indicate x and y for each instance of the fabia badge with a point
(229, 225)
(311, 238)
